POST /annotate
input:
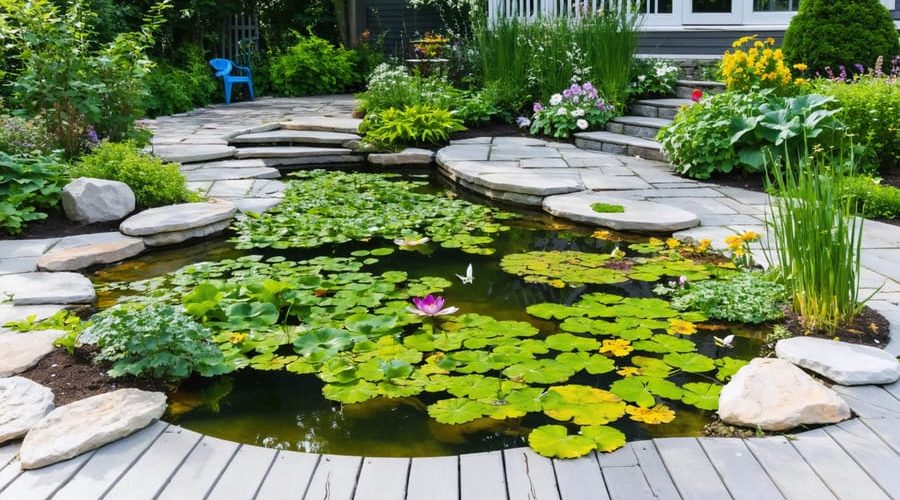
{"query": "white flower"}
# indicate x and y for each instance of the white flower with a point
(578, 112)
(561, 112)
(641, 78)
(555, 99)
(661, 71)
(582, 123)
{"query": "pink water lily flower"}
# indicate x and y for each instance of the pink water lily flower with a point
(430, 305)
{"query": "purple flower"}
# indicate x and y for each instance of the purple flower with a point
(859, 68)
(537, 107)
(430, 306)
(601, 106)
(682, 281)
(91, 136)
(575, 88)
(588, 87)
(567, 93)
(523, 122)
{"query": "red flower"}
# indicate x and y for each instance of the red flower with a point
(696, 95)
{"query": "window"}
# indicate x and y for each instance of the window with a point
(655, 6)
(775, 5)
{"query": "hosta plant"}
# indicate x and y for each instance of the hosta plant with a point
(418, 124)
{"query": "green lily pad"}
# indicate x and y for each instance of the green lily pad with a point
(569, 342)
(554, 441)
(593, 364)
(664, 343)
(690, 362)
(539, 371)
(584, 405)
(458, 410)
(728, 367)
(633, 390)
(605, 438)
(703, 395)
(351, 393)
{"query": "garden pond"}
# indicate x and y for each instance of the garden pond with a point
(557, 340)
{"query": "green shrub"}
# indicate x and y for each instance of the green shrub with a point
(153, 340)
(653, 78)
(871, 198)
(870, 109)
(174, 90)
(27, 185)
(845, 32)
(24, 136)
(746, 298)
(311, 66)
(154, 183)
(365, 57)
(419, 124)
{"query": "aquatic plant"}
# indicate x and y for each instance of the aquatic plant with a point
(430, 306)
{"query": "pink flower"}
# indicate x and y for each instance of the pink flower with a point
(696, 95)
(537, 107)
(431, 306)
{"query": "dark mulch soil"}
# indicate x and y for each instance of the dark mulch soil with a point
(868, 328)
(717, 428)
(57, 225)
(495, 128)
(750, 182)
(890, 178)
(72, 378)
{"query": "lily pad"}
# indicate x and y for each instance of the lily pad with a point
(690, 362)
(665, 344)
(605, 438)
(458, 410)
(703, 395)
(554, 441)
(583, 405)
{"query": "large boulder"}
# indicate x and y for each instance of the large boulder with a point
(88, 200)
(775, 395)
(23, 404)
(84, 425)
(846, 364)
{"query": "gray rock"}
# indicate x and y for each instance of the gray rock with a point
(82, 257)
(88, 200)
(224, 174)
(533, 183)
(21, 351)
(775, 395)
(84, 425)
(323, 124)
(409, 156)
(89, 239)
(290, 152)
(315, 161)
(462, 152)
(23, 404)
(295, 137)
(846, 364)
(47, 288)
(191, 153)
(174, 237)
(180, 217)
(230, 189)
(643, 216)
(25, 248)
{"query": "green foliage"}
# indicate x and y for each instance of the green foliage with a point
(872, 199)
(831, 33)
(653, 78)
(745, 298)
(153, 340)
(607, 208)
(417, 124)
(394, 87)
(311, 66)
(334, 207)
(365, 57)
(28, 185)
(154, 183)
(870, 109)
(175, 90)
(24, 136)
(577, 107)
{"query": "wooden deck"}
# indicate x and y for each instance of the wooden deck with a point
(855, 460)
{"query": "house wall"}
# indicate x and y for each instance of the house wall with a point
(695, 43)
(399, 23)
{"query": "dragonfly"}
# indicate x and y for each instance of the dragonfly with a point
(469, 278)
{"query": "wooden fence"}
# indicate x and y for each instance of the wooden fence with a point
(239, 33)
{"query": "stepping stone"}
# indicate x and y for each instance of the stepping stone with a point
(84, 256)
(409, 156)
(844, 363)
(224, 174)
(462, 152)
(25, 248)
(323, 124)
(289, 152)
(87, 200)
(295, 137)
(256, 205)
(47, 288)
(192, 153)
(23, 404)
(181, 217)
(175, 237)
(315, 161)
(84, 425)
(9, 312)
(641, 216)
(775, 395)
(529, 182)
(21, 351)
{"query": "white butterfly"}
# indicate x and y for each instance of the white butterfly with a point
(726, 342)
(469, 278)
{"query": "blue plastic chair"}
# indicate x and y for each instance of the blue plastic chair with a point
(223, 68)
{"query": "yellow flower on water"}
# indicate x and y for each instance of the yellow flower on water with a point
(673, 243)
(681, 327)
(601, 235)
(237, 338)
(629, 371)
(616, 347)
(749, 236)
(659, 414)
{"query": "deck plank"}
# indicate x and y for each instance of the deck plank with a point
(888, 429)
(842, 475)
(529, 476)
(654, 470)
(8, 452)
(108, 464)
(870, 452)
(334, 478)
(151, 472)
(739, 470)
(623, 457)
(382, 479)
(288, 477)
(433, 478)
(9, 473)
(244, 474)
(40, 484)
(869, 401)
(627, 483)
(793, 476)
(580, 479)
(481, 476)
(693, 473)
(200, 470)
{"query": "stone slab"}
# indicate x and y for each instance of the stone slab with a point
(256, 205)
(85, 256)
(16, 265)
(409, 156)
(639, 215)
(25, 248)
(21, 351)
(47, 288)
(289, 152)
(844, 363)
(192, 153)
(175, 237)
(179, 217)
(9, 312)
(527, 182)
(295, 137)
(224, 174)
(323, 124)
(597, 181)
(230, 189)
(306, 162)
(23, 404)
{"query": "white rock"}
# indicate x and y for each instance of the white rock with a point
(846, 364)
(84, 425)
(82, 257)
(88, 200)
(21, 351)
(775, 395)
(174, 237)
(46, 288)
(323, 124)
(409, 156)
(638, 215)
(192, 153)
(177, 218)
(23, 404)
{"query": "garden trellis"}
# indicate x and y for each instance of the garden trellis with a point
(238, 31)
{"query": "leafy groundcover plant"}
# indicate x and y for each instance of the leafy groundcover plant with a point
(746, 298)
(871, 198)
(420, 124)
(653, 78)
(28, 186)
(576, 108)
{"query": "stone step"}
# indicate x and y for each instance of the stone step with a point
(637, 126)
(620, 144)
(684, 88)
(323, 124)
(299, 137)
(289, 152)
(658, 108)
(226, 174)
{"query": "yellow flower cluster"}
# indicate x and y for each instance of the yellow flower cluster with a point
(758, 64)
(739, 244)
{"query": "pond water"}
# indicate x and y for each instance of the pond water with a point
(284, 410)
